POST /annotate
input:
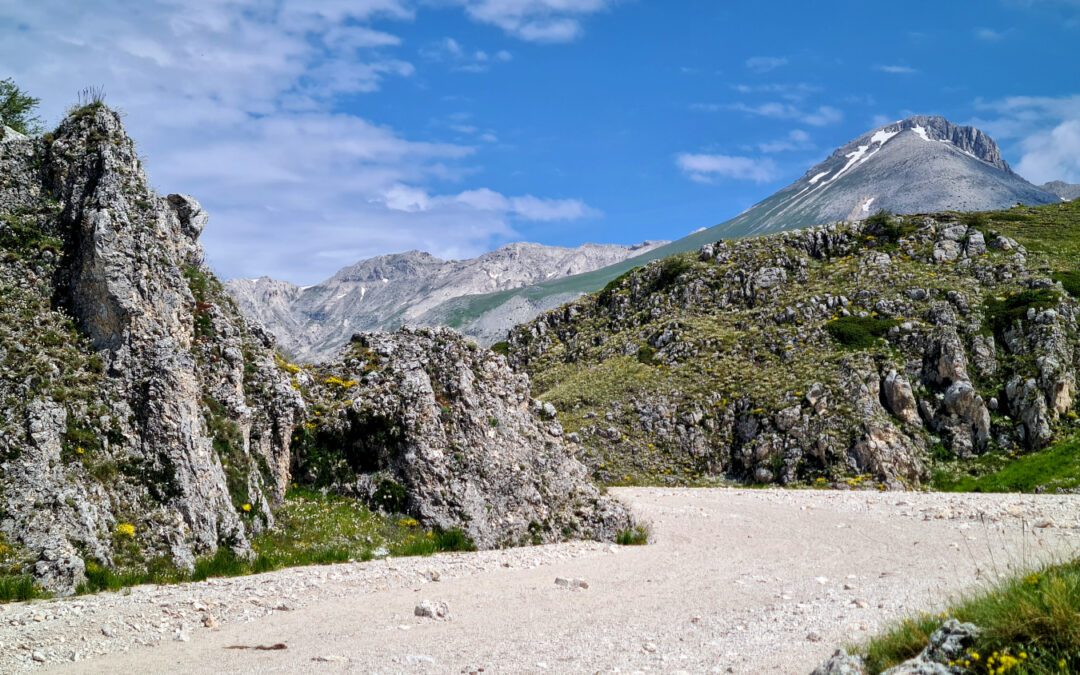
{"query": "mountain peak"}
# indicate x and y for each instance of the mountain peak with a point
(969, 140)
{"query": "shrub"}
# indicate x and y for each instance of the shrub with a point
(501, 348)
(1002, 313)
(1070, 281)
(854, 332)
(17, 109)
(646, 355)
(880, 219)
(670, 270)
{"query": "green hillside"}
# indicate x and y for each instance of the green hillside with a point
(771, 359)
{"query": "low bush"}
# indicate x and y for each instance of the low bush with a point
(855, 332)
(1002, 313)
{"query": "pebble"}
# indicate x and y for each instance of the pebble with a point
(432, 610)
(571, 583)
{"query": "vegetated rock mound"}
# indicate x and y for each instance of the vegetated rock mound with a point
(424, 423)
(312, 323)
(832, 355)
(142, 417)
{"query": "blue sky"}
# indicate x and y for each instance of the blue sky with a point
(318, 133)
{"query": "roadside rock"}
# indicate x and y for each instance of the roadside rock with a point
(425, 423)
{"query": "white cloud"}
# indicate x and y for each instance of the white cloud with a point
(988, 34)
(796, 139)
(896, 69)
(707, 168)
(823, 116)
(763, 64)
(1052, 155)
(792, 92)
(535, 20)
(448, 50)
(1045, 131)
(234, 102)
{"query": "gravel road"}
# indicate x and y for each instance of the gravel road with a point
(742, 581)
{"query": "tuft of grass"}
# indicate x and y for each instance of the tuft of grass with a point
(436, 541)
(637, 535)
(1055, 467)
(1033, 619)
(20, 588)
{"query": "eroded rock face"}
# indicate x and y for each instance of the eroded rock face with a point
(155, 405)
(424, 423)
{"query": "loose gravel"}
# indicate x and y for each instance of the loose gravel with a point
(740, 581)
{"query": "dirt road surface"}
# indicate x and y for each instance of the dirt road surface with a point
(741, 581)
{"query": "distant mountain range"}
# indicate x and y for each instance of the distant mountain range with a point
(917, 165)
(385, 292)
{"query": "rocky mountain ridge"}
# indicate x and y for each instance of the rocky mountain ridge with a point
(385, 292)
(145, 423)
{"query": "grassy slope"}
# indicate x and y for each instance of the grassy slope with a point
(1030, 625)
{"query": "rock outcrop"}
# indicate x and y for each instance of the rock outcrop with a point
(836, 354)
(423, 422)
(144, 421)
(143, 416)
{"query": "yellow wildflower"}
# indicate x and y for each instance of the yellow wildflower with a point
(126, 529)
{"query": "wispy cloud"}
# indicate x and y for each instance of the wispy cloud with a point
(536, 20)
(709, 168)
(796, 139)
(896, 69)
(821, 116)
(450, 51)
(1046, 130)
(763, 64)
(988, 34)
(792, 92)
(824, 116)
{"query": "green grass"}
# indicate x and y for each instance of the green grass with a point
(1033, 618)
(855, 332)
(1070, 281)
(1055, 467)
(310, 529)
(1002, 313)
(19, 588)
(633, 536)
